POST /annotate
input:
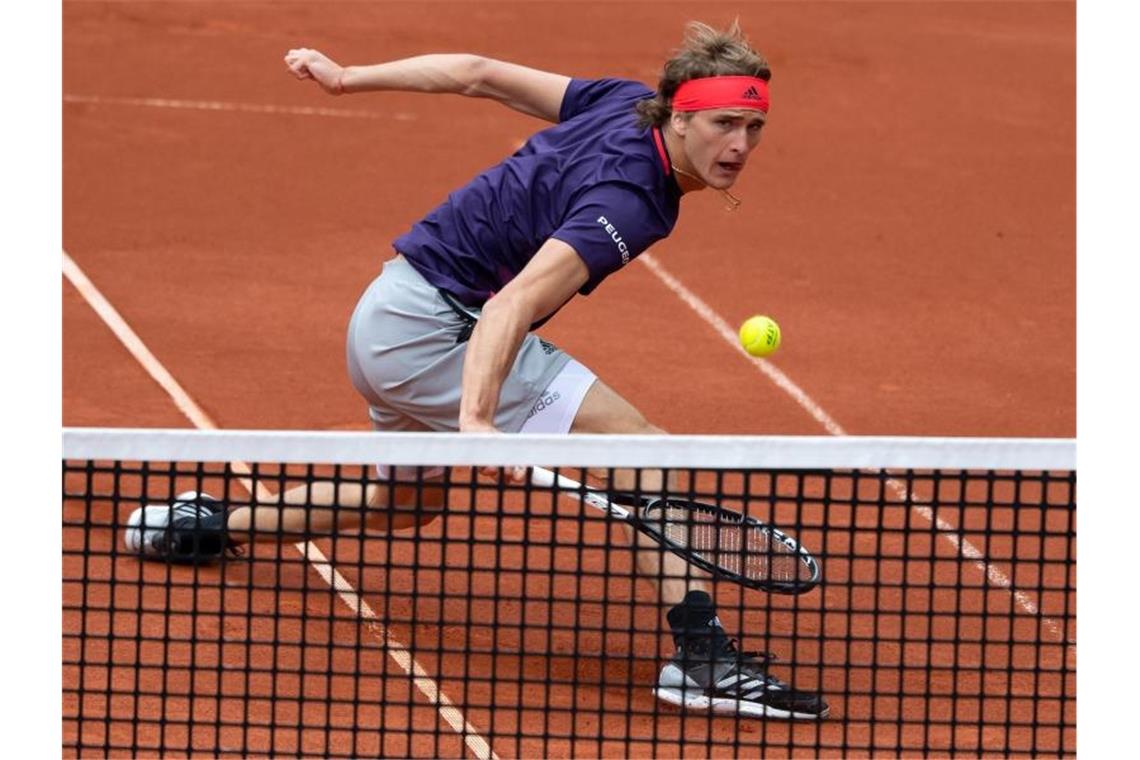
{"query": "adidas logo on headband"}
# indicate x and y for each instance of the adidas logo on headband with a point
(705, 93)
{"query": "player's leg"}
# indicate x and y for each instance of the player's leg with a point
(196, 527)
(603, 410)
(574, 400)
(707, 672)
(324, 507)
(390, 499)
(394, 332)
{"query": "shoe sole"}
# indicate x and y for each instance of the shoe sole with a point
(731, 706)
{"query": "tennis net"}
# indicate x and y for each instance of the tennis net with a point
(517, 623)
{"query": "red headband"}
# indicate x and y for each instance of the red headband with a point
(721, 92)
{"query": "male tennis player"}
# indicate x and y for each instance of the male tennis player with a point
(442, 339)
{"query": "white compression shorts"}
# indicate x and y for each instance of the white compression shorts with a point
(556, 408)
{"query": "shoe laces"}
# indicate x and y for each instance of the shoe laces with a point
(723, 645)
(760, 658)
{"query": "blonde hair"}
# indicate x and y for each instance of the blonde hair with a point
(705, 52)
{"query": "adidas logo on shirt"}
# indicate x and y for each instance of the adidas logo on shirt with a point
(751, 94)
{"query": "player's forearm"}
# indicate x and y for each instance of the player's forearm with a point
(457, 73)
(491, 353)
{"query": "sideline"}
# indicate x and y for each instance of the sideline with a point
(310, 551)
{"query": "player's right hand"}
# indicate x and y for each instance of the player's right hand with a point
(313, 64)
(515, 475)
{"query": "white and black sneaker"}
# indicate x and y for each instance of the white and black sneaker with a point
(190, 530)
(709, 673)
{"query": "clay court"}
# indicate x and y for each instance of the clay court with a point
(909, 218)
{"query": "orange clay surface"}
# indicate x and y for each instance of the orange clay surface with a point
(909, 218)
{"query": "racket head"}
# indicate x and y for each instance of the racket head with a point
(730, 545)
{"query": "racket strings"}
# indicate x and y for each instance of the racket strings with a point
(733, 545)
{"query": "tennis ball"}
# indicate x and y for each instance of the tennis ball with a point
(760, 335)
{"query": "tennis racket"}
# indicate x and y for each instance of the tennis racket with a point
(727, 544)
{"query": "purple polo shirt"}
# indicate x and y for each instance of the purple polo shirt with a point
(595, 181)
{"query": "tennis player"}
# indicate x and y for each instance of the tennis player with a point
(443, 339)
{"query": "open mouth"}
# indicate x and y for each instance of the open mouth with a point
(730, 166)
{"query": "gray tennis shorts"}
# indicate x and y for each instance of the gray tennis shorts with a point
(404, 357)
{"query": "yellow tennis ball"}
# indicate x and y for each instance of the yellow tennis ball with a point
(760, 335)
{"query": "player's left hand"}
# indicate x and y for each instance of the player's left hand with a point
(313, 64)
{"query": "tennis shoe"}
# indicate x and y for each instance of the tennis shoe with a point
(708, 672)
(190, 530)
(733, 682)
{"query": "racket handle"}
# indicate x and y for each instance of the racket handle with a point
(546, 479)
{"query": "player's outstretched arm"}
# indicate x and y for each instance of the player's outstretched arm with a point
(533, 92)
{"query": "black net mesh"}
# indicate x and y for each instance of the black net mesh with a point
(516, 624)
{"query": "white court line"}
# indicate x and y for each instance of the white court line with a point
(219, 105)
(949, 532)
(428, 687)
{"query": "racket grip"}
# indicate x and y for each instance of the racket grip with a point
(546, 479)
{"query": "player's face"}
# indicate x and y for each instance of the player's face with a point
(718, 143)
